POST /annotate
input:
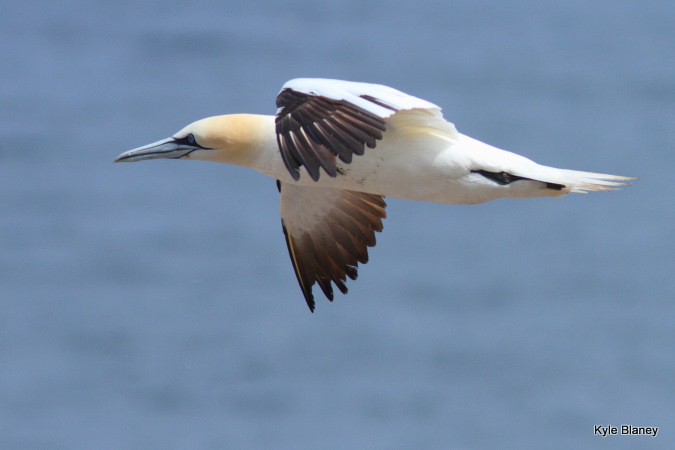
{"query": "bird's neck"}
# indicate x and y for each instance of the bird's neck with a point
(247, 140)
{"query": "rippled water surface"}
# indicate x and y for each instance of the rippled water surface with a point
(153, 305)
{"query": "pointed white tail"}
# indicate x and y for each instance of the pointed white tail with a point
(582, 182)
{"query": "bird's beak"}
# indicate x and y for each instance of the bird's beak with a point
(167, 148)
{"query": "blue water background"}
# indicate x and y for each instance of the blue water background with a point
(153, 305)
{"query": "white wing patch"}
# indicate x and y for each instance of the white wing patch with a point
(353, 92)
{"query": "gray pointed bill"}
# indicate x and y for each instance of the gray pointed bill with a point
(166, 148)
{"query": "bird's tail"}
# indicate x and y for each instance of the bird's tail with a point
(582, 182)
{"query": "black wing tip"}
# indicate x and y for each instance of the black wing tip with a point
(309, 298)
(504, 178)
(372, 99)
(306, 291)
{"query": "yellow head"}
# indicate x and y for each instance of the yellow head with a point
(233, 139)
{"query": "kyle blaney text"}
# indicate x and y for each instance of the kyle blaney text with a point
(624, 430)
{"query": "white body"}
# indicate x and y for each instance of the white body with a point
(418, 160)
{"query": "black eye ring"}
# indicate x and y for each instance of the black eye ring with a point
(191, 139)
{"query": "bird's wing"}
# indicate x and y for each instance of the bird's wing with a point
(320, 120)
(328, 232)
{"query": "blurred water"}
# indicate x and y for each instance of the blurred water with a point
(153, 305)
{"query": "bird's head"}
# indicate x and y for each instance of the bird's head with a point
(231, 139)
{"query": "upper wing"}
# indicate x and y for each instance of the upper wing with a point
(328, 232)
(319, 120)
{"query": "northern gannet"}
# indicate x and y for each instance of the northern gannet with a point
(322, 127)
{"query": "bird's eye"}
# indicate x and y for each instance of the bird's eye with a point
(191, 139)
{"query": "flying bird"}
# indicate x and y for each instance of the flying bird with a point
(337, 148)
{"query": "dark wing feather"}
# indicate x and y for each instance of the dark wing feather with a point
(328, 232)
(312, 131)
